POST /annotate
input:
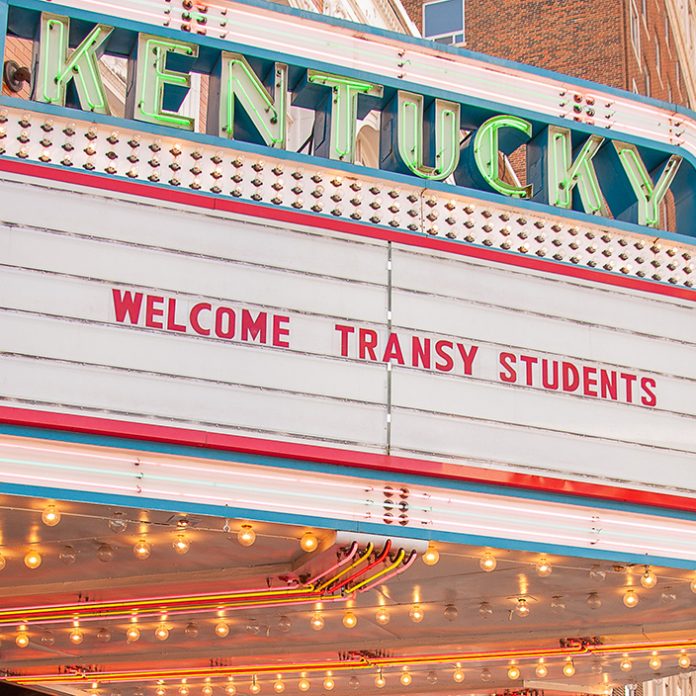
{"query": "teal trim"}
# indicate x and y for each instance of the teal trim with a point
(340, 525)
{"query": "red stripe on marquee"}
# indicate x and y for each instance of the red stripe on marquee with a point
(191, 198)
(166, 434)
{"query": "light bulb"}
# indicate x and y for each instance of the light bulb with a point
(486, 674)
(485, 610)
(451, 612)
(222, 629)
(103, 635)
(117, 524)
(405, 678)
(183, 690)
(350, 620)
(626, 665)
(544, 568)
(693, 585)
(162, 632)
(569, 668)
(329, 684)
(132, 634)
(160, 691)
(284, 624)
(50, 516)
(22, 639)
(631, 598)
(105, 553)
(254, 687)
(76, 636)
(309, 542)
(191, 630)
(655, 662)
(142, 550)
(181, 544)
(317, 621)
(684, 661)
(522, 608)
(47, 639)
(593, 601)
(380, 681)
(557, 604)
(354, 682)
(230, 690)
(303, 684)
(279, 686)
(68, 555)
(207, 690)
(488, 562)
(431, 677)
(32, 560)
(3, 562)
(597, 573)
(513, 672)
(458, 675)
(416, 613)
(648, 579)
(541, 669)
(382, 616)
(431, 555)
(246, 535)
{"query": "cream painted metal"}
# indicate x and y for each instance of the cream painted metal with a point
(65, 352)
(344, 499)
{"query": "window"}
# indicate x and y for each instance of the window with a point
(635, 28)
(669, 93)
(667, 31)
(634, 87)
(443, 21)
(647, 80)
(658, 58)
(644, 8)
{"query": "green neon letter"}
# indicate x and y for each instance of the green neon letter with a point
(410, 127)
(486, 153)
(648, 193)
(153, 76)
(564, 173)
(56, 68)
(268, 114)
(344, 110)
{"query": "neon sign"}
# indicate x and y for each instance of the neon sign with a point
(423, 133)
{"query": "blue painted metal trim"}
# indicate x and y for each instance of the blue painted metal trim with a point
(341, 525)
(303, 465)
(360, 171)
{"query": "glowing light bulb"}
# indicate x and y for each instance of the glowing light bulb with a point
(279, 686)
(522, 608)
(626, 665)
(458, 675)
(684, 661)
(142, 550)
(162, 632)
(183, 690)
(541, 669)
(329, 684)
(309, 542)
(431, 556)
(655, 662)
(50, 516)
(380, 681)
(160, 691)
(513, 672)
(317, 621)
(76, 636)
(22, 639)
(181, 544)
(544, 568)
(230, 690)
(488, 562)
(569, 668)
(693, 585)
(303, 684)
(3, 562)
(222, 629)
(648, 579)
(254, 687)
(631, 598)
(32, 559)
(382, 616)
(350, 620)
(246, 535)
(416, 613)
(207, 690)
(132, 634)
(406, 678)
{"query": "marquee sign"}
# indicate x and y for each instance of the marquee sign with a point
(427, 133)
